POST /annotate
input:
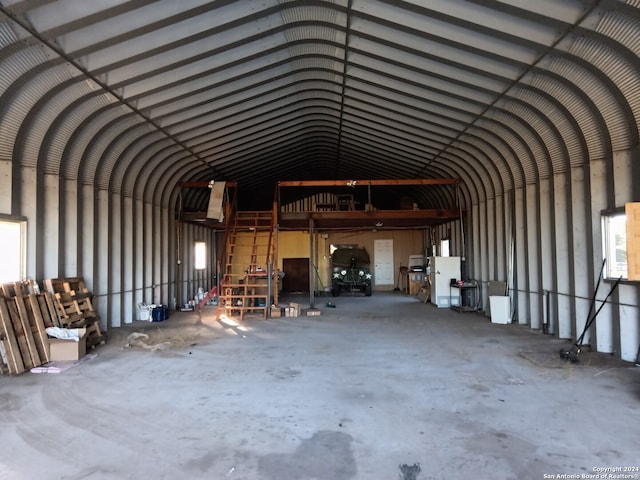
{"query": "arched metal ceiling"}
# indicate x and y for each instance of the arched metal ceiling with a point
(138, 96)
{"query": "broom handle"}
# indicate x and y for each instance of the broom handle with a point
(601, 306)
(588, 322)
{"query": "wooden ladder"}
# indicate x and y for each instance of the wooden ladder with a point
(250, 247)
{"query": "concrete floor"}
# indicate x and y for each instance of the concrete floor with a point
(368, 390)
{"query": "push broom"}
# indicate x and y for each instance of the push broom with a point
(329, 303)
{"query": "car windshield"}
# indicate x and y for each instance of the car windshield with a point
(350, 257)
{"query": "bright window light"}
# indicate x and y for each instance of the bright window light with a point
(12, 253)
(201, 255)
(444, 248)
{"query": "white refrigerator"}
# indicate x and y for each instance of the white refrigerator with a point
(442, 271)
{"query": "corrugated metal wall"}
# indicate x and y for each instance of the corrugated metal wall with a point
(104, 111)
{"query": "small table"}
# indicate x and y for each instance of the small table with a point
(469, 289)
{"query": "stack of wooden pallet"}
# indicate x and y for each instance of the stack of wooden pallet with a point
(25, 314)
(72, 301)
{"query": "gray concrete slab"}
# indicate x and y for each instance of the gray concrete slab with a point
(378, 388)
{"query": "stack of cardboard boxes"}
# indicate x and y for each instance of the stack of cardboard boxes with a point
(291, 310)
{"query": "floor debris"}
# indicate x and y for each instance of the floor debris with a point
(60, 366)
(410, 472)
(137, 339)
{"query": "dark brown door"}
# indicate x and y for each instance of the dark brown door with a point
(296, 275)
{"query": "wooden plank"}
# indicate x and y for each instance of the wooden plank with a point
(25, 287)
(59, 310)
(68, 297)
(38, 328)
(57, 285)
(49, 315)
(94, 335)
(9, 341)
(632, 211)
(73, 321)
(31, 342)
(85, 307)
(15, 289)
(52, 309)
(70, 285)
(66, 309)
(7, 290)
(21, 334)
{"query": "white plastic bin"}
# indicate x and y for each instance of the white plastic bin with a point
(500, 309)
(144, 312)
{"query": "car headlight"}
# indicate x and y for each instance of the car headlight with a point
(361, 273)
(343, 272)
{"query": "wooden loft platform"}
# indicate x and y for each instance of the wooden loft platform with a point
(380, 219)
(342, 213)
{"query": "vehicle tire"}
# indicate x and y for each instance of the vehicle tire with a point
(367, 290)
(335, 291)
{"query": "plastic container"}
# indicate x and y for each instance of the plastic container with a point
(160, 313)
(144, 312)
(500, 309)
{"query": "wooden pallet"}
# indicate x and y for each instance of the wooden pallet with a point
(23, 336)
(11, 353)
(72, 302)
(25, 314)
(70, 285)
(15, 289)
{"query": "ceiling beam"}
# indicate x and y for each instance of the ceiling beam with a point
(373, 183)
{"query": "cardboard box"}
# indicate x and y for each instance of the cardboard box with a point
(61, 350)
(276, 312)
(295, 309)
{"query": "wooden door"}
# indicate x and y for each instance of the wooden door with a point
(296, 275)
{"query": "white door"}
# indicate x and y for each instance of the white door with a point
(383, 256)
